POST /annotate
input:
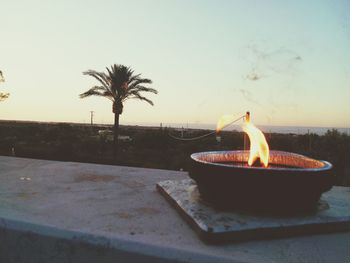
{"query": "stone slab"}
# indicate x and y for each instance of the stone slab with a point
(212, 225)
(55, 212)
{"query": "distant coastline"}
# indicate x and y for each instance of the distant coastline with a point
(264, 128)
(199, 126)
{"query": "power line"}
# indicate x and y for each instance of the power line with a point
(205, 135)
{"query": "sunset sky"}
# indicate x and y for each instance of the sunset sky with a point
(288, 62)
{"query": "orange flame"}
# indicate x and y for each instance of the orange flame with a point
(258, 145)
(223, 121)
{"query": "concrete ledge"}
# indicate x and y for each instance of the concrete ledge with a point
(26, 242)
(73, 212)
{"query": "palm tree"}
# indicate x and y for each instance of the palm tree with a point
(3, 96)
(118, 84)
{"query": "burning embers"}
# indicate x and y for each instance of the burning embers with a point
(284, 181)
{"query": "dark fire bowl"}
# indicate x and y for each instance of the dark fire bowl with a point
(291, 183)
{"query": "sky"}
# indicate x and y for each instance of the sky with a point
(287, 62)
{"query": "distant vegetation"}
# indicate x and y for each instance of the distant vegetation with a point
(153, 147)
(3, 96)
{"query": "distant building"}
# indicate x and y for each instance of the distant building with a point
(105, 132)
(124, 138)
(108, 135)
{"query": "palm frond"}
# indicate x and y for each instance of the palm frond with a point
(2, 79)
(119, 75)
(133, 78)
(138, 96)
(97, 91)
(100, 76)
(139, 88)
(110, 73)
(4, 96)
(139, 81)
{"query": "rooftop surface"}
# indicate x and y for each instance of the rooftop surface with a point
(76, 212)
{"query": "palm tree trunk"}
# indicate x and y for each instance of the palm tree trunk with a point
(116, 133)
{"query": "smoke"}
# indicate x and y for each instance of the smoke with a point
(264, 64)
(249, 96)
(270, 79)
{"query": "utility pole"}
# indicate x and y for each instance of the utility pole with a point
(92, 117)
(245, 139)
(308, 133)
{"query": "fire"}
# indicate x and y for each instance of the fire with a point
(224, 121)
(258, 145)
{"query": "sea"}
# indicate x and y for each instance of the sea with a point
(236, 127)
(264, 128)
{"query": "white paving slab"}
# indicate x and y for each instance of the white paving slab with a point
(73, 212)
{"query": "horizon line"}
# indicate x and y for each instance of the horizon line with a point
(154, 124)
